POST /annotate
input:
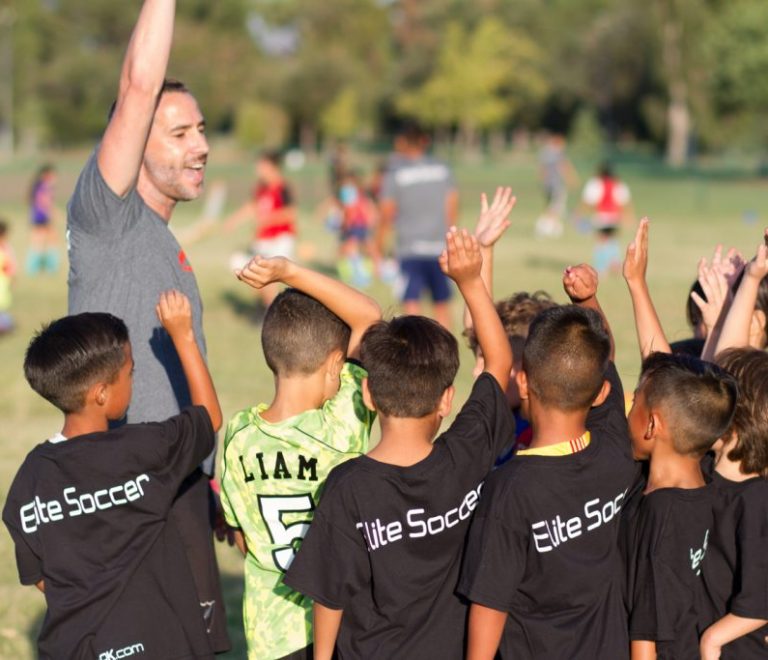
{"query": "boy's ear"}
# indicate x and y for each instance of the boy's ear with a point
(446, 402)
(522, 383)
(367, 399)
(98, 393)
(335, 362)
(654, 425)
(602, 395)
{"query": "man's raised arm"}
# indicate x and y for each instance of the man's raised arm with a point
(141, 81)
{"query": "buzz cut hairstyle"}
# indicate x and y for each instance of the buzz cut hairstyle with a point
(697, 398)
(170, 85)
(411, 361)
(73, 353)
(749, 366)
(516, 313)
(299, 333)
(566, 356)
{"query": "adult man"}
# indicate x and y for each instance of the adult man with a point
(419, 197)
(122, 255)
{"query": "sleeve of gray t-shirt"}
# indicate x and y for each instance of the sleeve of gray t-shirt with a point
(95, 208)
(389, 185)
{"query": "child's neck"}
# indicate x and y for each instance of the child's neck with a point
(405, 440)
(295, 395)
(668, 469)
(84, 422)
(728, 469)
(551, 427)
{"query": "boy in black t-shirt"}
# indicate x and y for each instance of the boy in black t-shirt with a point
(381, 558)
(682, 406)
(542, 566)
(88, 508)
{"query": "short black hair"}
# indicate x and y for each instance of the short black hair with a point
(516, 313)
(3, 227)
(411, 361)
(170, 85)
(692, 312)
(72, 354)
(566, 356)
(299, 333)
(412, 132)
(749, 366)
(698, 399)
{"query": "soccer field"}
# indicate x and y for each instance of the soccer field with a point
(689, 215)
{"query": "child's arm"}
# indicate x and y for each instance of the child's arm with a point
(240, 542)
(736, 329)
(580, 283)
(354, 308)
(491, 225)
(462, 262)
(175, 313)
(650, 334)
(326, 629)
(724, 631)
(486, 626)
(246, 212)
(41, 586)
(642, 649)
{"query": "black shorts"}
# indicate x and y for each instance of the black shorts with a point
(193, 513)
(307, 653)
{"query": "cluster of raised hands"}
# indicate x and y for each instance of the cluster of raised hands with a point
(730, 285)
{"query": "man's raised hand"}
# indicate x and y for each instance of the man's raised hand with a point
(260, 271)
(461, 260)
(494, 219)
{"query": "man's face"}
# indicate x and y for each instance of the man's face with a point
(177, 149)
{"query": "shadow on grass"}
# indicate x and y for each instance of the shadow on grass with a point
(250, 309)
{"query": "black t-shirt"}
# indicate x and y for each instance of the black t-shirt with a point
(543, 545)
(668, 544)
(88, 516)
(736, 571)
(385, 544)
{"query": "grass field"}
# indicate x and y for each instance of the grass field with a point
(690, 214)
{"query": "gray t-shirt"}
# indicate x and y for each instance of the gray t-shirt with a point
(122, 256)
(419, 187)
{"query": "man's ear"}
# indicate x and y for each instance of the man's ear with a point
(522, 384)
(367, 399)
(446, 402)
(602, 395)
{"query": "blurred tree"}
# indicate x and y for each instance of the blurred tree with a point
(481, 79)
(260, 125)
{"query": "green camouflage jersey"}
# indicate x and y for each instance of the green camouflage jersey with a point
(272, 476)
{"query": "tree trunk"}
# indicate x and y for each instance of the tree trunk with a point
(308, 139)
(678, 111)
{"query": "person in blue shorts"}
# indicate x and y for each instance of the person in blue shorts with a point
(419, 199)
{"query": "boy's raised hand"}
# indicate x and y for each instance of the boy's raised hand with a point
(260, 271)
(175, 313)
(636, 261)
(494, 219)
(461, 260)
(714, 283)
(580, 282)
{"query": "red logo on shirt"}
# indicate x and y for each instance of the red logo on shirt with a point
(184, 262)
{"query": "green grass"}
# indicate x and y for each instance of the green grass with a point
(689, 215)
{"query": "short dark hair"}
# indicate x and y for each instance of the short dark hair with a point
(273, 156)
(692, 312)
(412, 132)
(566, 356)
(3, 227)
(299, 334)
(697, 397)
(72, 354)
(170, 85)
(516, 314)
(411, 361)
(749, 366)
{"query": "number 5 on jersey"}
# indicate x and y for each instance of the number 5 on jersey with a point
(272, 508)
